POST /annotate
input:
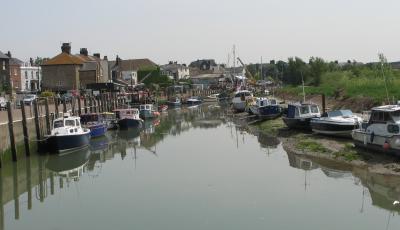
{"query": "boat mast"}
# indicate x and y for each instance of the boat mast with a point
(302, 81)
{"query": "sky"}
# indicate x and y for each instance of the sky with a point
(187, 30)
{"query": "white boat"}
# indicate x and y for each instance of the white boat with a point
(194, 100)
(337, 123)
(382, 131)
(128, 118)
(67, 134)
(175, 101)
(241, 99)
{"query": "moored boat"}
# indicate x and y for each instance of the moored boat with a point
(265, 108)
(95, 123)
(194, 100)
(175, 101)
(381, 132)
(241, 99)
(299, 115)
(67, 134)
(336, 123)
(128, 118)
(147, 111)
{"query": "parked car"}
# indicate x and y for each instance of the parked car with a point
(29, 98)
(3, 103)
(67, 97)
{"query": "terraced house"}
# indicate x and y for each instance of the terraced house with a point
(4, 71)
(67, 71)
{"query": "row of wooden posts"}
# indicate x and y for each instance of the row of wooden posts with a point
(102, 103)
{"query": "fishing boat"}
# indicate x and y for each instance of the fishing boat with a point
(175, 101)
(241, 99)
(299, 115)
(95, 123)
(67, 134)
(147, 111)
(382, 131)
(336, 123)
(212, 97)
(128, 118)
(265, 108)
(194, 100)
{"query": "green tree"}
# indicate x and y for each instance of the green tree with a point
(317, 68)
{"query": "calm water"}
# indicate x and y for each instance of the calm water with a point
(194, 169)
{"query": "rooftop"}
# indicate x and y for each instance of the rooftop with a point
(65, 59)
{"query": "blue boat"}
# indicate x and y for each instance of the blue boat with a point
(95, 123)
(266, 108)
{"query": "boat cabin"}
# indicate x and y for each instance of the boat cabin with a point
(385, 114)
(243, 94)
(91, 118)
(338, 113)
(148, 107)
(262, 101)
(302, 110)
(132, 113)
(66, 125)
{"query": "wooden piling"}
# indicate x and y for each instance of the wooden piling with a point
(15, 191)
(64, 106)
(79, 106)
(25, 131)
(56, 107)
(323, 103)
(36, 114)
(46, 106)
(29, 182)
(1, 201)
(11, 131)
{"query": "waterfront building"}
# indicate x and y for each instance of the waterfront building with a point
(175, 71)
(4, 70)
(126, 71)
(15, 72)
(31, 77)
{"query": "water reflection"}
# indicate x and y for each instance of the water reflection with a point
(39, 177)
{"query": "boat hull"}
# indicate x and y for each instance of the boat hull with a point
(66, 143)
(239, 106)
(266, 112)
(129, 123)
(298, 123)
(97, 130)
(332, 128)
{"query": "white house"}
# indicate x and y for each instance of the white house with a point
(175, 71)
(31, 77)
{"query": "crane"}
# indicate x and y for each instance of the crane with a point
(245, 67)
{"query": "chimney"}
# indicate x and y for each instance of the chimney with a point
(97, 55)
(9, 54)
(117, 60)
(84, 51)
(105, 58)
(31, 61)
(66, 48)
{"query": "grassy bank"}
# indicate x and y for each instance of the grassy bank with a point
(346, 85)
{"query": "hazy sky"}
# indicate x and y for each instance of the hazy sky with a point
(186, 30)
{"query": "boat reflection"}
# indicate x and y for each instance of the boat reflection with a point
(69, 166)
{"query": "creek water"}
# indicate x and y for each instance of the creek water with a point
(192, 169)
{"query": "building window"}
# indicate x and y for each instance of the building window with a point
(15, 71)
(26, 85)
(26, 75)
(4, 65)
(32, 74)
(37, 75)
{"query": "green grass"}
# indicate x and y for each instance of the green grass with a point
(309, 145)
(271, 126)
(367, 84)
(348, 153)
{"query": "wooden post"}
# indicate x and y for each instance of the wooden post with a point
(73, 106)
(90, 104)
(41, 180)
(56, 106)
(1, 201)
(29, 182)
(36, 113)
(46, 106)
(64, 105)
(11, 131)
(99, 106)
(15, 191)
(79, 106)
(85, 104)
(25, 131)
(323, 104)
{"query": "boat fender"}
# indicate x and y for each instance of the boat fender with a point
(386, 146)
(372, 137)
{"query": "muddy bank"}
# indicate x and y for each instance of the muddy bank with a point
(339, 152)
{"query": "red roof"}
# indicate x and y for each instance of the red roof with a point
(65, 59)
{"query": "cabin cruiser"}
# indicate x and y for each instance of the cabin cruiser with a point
(194, 100)
(147, 111)
(337, 123)
(110, 120)
(95, 123)
(265, 108)
(67, 134)
(299, 115)
(128, 118)
(241, 100)
(382, 131)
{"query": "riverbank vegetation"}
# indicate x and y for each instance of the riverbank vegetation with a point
(337, 80)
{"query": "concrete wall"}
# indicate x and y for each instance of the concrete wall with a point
(60, 77)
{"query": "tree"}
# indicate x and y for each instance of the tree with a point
(297, 70)
(317, 68)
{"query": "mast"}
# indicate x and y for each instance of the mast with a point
(304, 93)
(261, 70)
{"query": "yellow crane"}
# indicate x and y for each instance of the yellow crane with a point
(245, 67)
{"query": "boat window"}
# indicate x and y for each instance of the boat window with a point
(304, 109)
(77, 122)
(147, 107)
(58, 124)
(380, 117)
(393, 128)
(335, 113)
(347, 112)
(273, 102)
(395, 115)
(69, 123)
(238, 95)
(314, 109)
(296, 113)
(247, 94)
